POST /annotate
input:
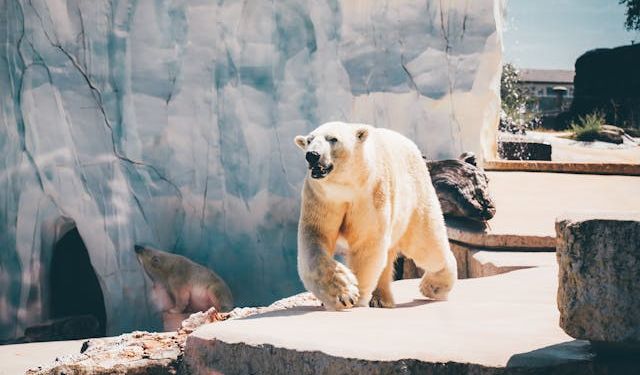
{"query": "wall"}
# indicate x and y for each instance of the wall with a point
(171, 124)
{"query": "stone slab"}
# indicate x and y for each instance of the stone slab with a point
(528, 203)
(506, 321)
(628, 168)
(139, 352)
(598, 295)
(18, 358)
(483, 263)
(524, 150)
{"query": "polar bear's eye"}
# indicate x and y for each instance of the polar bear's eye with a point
(332, 139)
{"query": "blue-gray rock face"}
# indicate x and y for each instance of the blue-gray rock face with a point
(170, 123)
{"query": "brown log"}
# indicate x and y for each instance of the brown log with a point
(462, 188)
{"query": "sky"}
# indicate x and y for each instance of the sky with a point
(552, 34)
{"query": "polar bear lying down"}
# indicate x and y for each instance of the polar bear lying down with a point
(369, 189)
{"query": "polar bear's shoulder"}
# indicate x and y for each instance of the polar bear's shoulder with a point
(394, 140)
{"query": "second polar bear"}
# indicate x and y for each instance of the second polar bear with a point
(369, 189)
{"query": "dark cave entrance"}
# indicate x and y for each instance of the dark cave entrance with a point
(77, 302)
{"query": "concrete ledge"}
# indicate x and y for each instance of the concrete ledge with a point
(466, 235)
(474, 263)
(18, 358)
(483, 263)
(527, 205)
(501, 324)
(624, 169)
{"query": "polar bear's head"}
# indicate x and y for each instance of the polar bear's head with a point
(332, 146)
(157, 264)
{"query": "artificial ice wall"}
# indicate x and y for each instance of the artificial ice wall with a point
(171, 124)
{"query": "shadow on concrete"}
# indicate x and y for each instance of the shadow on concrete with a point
(301, 310)
(559, 354)
(415, 302)
(579, 357)
(466, 224)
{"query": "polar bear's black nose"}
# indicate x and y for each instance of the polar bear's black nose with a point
(312, 157)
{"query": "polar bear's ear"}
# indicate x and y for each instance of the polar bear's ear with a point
(468, 157)
(300, 141)
(362, 134)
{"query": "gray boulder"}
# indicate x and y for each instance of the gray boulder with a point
(524, 150)
(599, 278)
(610, 134)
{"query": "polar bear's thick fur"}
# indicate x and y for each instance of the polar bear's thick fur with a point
(369, 189)
(181, 285)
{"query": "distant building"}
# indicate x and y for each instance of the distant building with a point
(552, 89)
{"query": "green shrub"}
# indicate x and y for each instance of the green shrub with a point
(515, 116)
(588, 127)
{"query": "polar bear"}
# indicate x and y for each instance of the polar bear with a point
(368, 190)
(181, 285)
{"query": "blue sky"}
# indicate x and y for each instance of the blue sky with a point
(551, 34)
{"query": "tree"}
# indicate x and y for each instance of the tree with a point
(514, 97)
(633, 14)
(515, 116)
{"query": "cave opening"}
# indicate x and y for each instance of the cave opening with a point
(76, 299)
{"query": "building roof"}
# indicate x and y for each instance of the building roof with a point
(546, 76)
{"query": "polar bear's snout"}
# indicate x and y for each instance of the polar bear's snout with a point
(319, 168)
(317, 154)
(312, 157)
(319, 164)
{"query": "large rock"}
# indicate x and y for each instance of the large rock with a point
(607, 80)
(607, 133)
(504, 324)
(170, 124)
(599, 277)
(610, 134)
(157, 353)
(524, 150)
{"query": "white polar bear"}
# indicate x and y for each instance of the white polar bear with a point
(368, 187)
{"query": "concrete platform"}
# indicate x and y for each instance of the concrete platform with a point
(571, 151)
(489, 325)
(527, 204)
(598, 168)
(17, 359)
(482, 263)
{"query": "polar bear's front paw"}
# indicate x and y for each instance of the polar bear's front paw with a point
(339, 289)
(437, 285)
